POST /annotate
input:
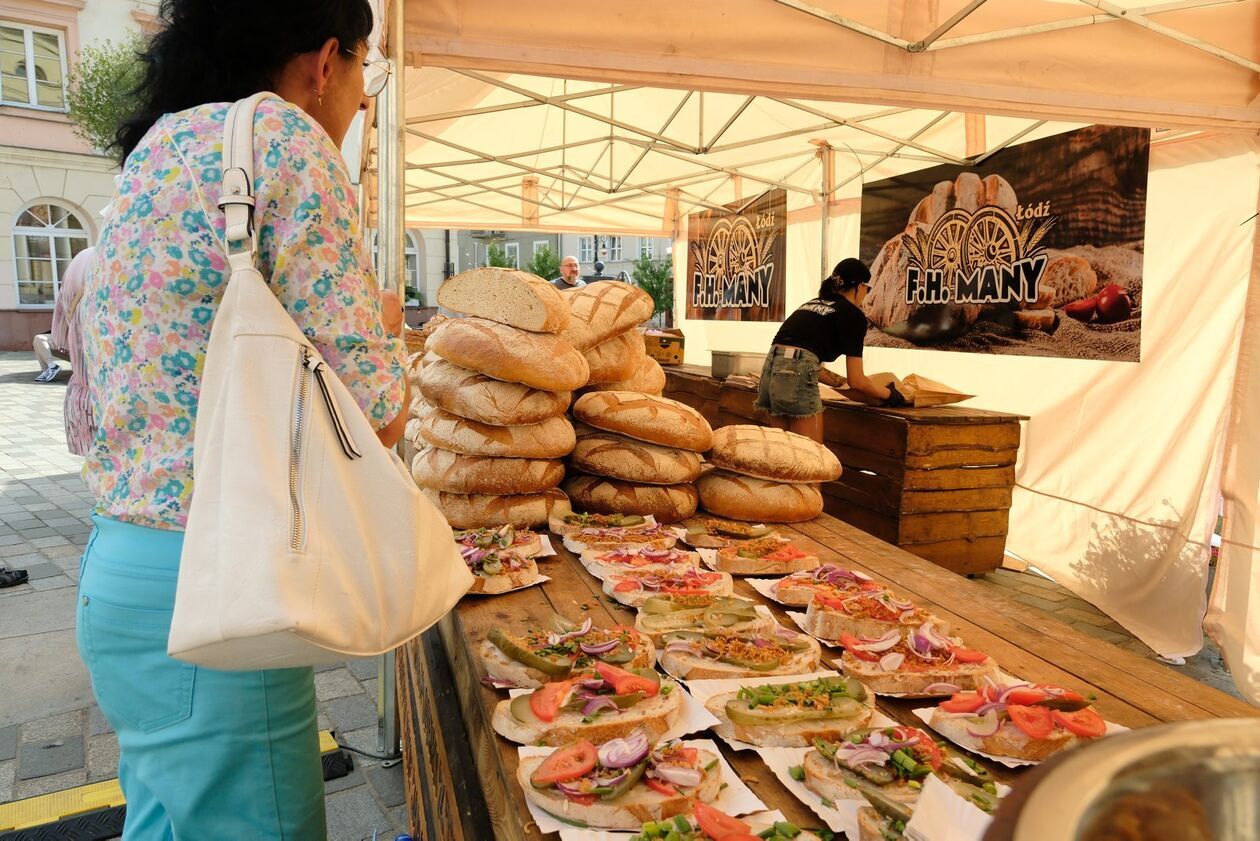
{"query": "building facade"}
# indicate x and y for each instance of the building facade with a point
(618, 253)
(52, 184)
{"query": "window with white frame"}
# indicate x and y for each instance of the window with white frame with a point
(614, 249)
(647, 248)
(540, 244)
(586, 249)
(46, 237)
(512, 250)
(32, 67)
(411, 260)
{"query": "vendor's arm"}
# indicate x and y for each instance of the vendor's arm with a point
(858, 380)
(826, 376)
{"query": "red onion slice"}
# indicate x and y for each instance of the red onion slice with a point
(569, 790)
(942, 688)
(685, 647)
(556, 639)
(593, 683)
(1011, 687)
(599, 648)
(599, 702)
(624, 753)
(852, 755)
(879, 644)
(613, 781)
(499, 683)
(989, 725)
(892, 662)
(984, 709)
(679, 776)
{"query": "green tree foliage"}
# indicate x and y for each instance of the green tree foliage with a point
(545, 263)
(496, 255)
(656, 277)
(100, 89)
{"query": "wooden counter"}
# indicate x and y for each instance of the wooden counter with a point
(460, 775)
(936, 481)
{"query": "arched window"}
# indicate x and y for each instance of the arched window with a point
(411, 258)
(46, 237)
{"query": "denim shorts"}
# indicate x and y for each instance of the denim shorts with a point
(789, 387)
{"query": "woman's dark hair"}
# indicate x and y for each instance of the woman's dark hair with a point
(225, 50)
(848, 273)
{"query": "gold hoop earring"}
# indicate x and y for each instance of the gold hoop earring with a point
(319, 97)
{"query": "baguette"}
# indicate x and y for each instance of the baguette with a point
(508, 296)
(775, 455)
(634, 587)
(507, 657)
(552, 438)
(719, 655)
(757, 500)
(473, 511)
(615, 358)
(475, 396)
(443, 470)
(667, 503)
(645, 417)
(538, 360)
(617, 457)
(792, 715)
(765, 556)
(600, 311)
(667, 613)
(654, 715)
(648, 378)
(831, 616)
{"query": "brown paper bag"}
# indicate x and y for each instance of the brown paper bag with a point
(918, 391)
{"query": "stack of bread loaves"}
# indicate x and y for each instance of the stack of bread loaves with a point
(638, 454)
(604, 327)
(766, 475)
(497, 385)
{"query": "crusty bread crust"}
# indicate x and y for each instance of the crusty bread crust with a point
(686, 666)
(600, 311)
(654, 715)
(757, 500)
(832, 624)
(598, 494)
(728, 560)
(615, 358)
(473, 395)
(499, 665)
(800, 735)
(490, 585)
(538, 360)
(1008, 741)
(508, 296)
(963, 675)
(444, 470)
(552, 438)
(772, 454)
(618, 457)
(474, 511)
(648, 378)
(827, 779)
(645, 417)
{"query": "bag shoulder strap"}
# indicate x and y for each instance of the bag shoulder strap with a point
(237, 199)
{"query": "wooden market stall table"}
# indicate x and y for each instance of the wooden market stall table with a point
(936, 481)
(461, 777)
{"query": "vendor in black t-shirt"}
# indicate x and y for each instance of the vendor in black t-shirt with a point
(821, 330)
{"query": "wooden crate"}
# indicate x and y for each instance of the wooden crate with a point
(935, 481)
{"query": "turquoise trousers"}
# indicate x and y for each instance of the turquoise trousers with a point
(205, 754)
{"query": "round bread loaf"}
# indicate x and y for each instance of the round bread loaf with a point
(415, 363)
(443, 470)
(599, 495)
(616, 358)
(646, 417)
(539, 360)
(603, 310)
(774, 454)
(508, 296)
(618, 457)
(757, 500)
(648, 378)
(419, 406)
(475, 511)
(478, 397)
(552, 438)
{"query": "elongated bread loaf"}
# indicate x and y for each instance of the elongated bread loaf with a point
(657, 420)
(774, 454)
(757, 500)
(474, 511)
(599, 495)
(603, 310)
(478, 397)
(648, 378)
(508, 296)
(617, 457)
(538, 360)
(616, 358)
(552, 438)
(444, 470)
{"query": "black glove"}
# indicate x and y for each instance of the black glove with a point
(895, 400)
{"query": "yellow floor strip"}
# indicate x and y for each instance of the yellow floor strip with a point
(51, 808)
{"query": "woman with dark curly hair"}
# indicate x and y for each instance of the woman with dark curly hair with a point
(206, 753)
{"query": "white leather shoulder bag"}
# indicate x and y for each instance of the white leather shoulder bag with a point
(307, 541)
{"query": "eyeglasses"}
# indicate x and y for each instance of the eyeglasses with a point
(376, 71)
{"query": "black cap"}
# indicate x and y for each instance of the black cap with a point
(850, 272)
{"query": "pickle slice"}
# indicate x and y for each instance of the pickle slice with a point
(754, 665)
(887, 807)
(520, 710)
(636, 773)
(658, 605)
(620, 654)
(515, 651)
(739, 712)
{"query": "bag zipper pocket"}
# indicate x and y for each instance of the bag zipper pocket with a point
(320, 370)
(297, 527)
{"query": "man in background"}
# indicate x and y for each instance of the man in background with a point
(568, 278)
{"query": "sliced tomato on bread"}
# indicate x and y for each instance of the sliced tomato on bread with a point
(1086, 723)
(720, 825)
(851, 644)
(969, 655)
(964, 702)
(1035, 722)
(545, 702)
(571, 762)
(660, 787)
(624, 682)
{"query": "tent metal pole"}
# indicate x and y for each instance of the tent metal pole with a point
(1127, 15)
(826, 157)
(512, 106)
(959, 16)
(391, 153)
(847, 23)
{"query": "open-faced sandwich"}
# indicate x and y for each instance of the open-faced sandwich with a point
(607, 703)
(497, 571)
(664, 613)
(772, 555)
(567, 522)
(920, 661)
(635, 588)
(886, 819)
(605, 562)
(832, 614)
(712, 533)
(592, 539)
(710, 824)
(1018, 720)
(893, 761)
(622, 783)
(792, 715)
(507, 538)
(798, 589)
(696, 655)
(541, 656)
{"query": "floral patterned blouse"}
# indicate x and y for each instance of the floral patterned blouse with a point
(160, 274)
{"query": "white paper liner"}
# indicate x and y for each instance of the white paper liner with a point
(547, 549)
(692, 717)
(735, 799)
(924, 714)
(765, 586)
(709, 557)
(799, 619)
(942, 815)
(840, 817)
(757, 822)
(539, 580)
(703, 690)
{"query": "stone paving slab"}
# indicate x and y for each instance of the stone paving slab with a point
(54, 756)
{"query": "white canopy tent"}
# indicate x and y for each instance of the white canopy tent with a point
(624, 118)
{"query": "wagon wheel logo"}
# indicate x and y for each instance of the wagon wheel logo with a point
(719, 241)
(947, 249)
(742, 254)
(991, 239)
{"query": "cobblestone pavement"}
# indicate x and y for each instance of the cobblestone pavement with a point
(52, 735)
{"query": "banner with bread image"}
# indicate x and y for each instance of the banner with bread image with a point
(736, 260)
(1035, 251)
